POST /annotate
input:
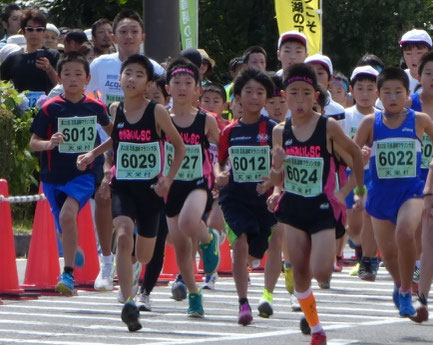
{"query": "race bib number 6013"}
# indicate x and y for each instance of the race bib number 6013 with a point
(79, 133)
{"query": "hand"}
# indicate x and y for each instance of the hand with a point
(43, 63)
(222, 178)
(84, 160)
(104, 187)
(264, 186)
(278, 156)
(365, 151)
(55, 140)
(272, 201)
(163, 186)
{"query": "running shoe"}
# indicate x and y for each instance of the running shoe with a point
(421, 310)
(406, 308)
(325, 285)
(79, 258)
(416, 273)
(195, 308)
(295, 303)
(65, 284)
(210, 281)
(354, 271)
(265, 304)
(318, 338)
(144, 302)
(211, 253)
(130, 315)
(288, 278)
(395, 297)
(245, 314)
(365, 271)
(104, 280)
(304, 326)
(178, 289)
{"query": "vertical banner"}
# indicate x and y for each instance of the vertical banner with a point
(188, 22)
(304, 16)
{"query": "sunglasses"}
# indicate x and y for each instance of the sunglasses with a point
(31, 28)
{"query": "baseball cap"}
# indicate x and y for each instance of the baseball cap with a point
(52, 27)
(8, 49)
(364, 70)
(320, 59)
(192, 55)
(17, 39)
(416, 35)
(294, 34)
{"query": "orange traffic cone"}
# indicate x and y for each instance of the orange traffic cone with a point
(43, 261)
(8, 270)
(169, 269)
(225, 267)
(85, 276)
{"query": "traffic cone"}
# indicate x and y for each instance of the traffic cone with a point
(169, 268)
(8, 270)
(43, 261)
(86, 275)
(225, 267)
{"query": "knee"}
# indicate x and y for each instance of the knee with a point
(188, 225)
(144, 258)
(67, 217)
(404, 236)
(124, 242)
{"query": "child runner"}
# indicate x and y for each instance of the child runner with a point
(247, 143)
(339, 88)
(303, 159)
(292, 48)
(190, 194)
(395, 190)
(137, 187)
(64, 128)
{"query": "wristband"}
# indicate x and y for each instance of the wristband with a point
(427, 194)
(360, 191)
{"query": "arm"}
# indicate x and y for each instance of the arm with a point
(278, 155)
(222, 176)
(108, 128)
(44, 64)
(87, 158)
(39, 144)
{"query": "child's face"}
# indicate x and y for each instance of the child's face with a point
(365, 93)
(393, 95)
(213, 102)
(321, 74)
(257, 61)
(129, 36)
(338, 93)
(73, 77)
(427, 77)
(291, 52)
(50, 39)
(301, 98)
(277, 107)
(183, 88)
(253, 97)
(412, 57)
(154, 93)
(133, 80)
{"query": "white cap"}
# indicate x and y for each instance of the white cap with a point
(88, 33)
(295, 35)
(8, 49)
(364, 70)
(321, 59)
(416, 35)
(52, 27)
(17, 39)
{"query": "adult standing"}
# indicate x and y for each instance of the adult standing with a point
(102, 37)
(11, 21)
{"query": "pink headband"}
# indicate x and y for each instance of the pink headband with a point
(183, 70)
(277, 93)
(297, 78)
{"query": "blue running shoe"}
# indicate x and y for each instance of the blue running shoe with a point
(395, 297)
(195, 308)
(406, 307)
(211, 253)
(66, 284)
(79, 258)
(130, 315)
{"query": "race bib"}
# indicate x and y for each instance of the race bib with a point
(213, 152)
(113, 98)
(396, 159)
(33, 97)
(249, 163)
(79, 133)
(303, 175)
(427, 149)
(192, 164)
(352, 132)
(138, 161)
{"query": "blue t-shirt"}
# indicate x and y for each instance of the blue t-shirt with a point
(56, 167)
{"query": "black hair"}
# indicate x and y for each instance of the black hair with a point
(160, 84)
(85, 48)
(192, 55)
(427, 57)
(340, 76)
(392, 73)
(76, 35)
(253, 50)
(371, 60)
(35, 15)
(363, 77)
(7, 11)
(73, 57)
(322, 98)
(254, 74)
(127, 13)
(182, 63)
(217, 88)
(98, 23)
(300, 70)
(141, 60)
(277, 81)
(410, 45)
(235, 63)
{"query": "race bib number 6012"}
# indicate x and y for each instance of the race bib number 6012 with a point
(249, 163)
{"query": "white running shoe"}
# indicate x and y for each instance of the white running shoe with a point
(104, 281)
(144, 302)
(210, 281)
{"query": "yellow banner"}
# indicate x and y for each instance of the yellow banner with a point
(304, 16)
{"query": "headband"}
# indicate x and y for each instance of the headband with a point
(183, 70)
(340, 82)
(277, 93)
(297, 78)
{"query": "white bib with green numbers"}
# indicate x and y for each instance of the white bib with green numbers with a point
(396, 159)
(249, 163)
(427, 150)
(192, 164)
(79, 133)
(138, 161)
(303, 175)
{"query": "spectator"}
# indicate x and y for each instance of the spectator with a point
(102, 37)
(11, 20)
(51, 36)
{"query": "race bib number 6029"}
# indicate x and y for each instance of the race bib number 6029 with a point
(138, 161)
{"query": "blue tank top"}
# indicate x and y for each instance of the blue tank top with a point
(416, 102)
(396, 154)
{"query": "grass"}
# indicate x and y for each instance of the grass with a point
(23, 226)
